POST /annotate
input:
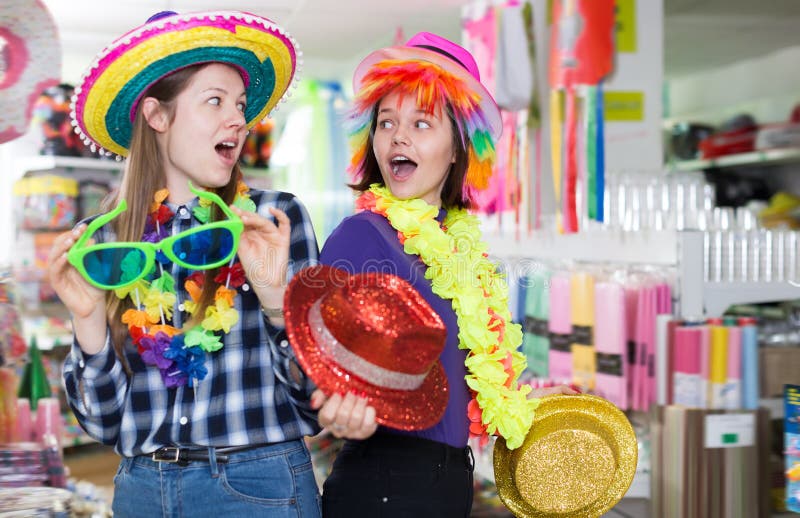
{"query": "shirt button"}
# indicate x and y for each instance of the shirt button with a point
(385, 499)
(182, 211)
(284, 343)
(82, 363)
(184, 420)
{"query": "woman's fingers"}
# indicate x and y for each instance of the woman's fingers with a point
(356, 419)
(251, 220)
(284, 225)
(318, 398)
(341, 424)
(368, 423)
(549, 391)
(347, 416)
(327, 413)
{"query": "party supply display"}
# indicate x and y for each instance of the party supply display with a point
(791, 431)
(108, 94)
(8, 405)
(610, 344)
(584, 357)
(30, 52)
(34, 385)
(115, 265)
(459, 270)
(45, 202)
(51, 120)
(536, 339)
(373, 334)
(578, 459)
(749, 363)
(560, 326)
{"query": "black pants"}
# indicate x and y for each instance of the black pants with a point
(391, 475)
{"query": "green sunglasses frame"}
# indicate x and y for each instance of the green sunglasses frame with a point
(79, 250)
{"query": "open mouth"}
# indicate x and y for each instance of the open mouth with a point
(402, 166)
(226, 149)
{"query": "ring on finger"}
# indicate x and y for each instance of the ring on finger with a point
(337, 427)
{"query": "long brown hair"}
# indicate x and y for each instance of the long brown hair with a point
(143, 176)
(453, 189)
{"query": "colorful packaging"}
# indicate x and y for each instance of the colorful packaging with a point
(45, 202)
(791, 428)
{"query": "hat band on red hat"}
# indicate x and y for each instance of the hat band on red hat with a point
(355, 364)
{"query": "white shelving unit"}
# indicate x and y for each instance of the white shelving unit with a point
(50, 163)
(754, 158)
(683, 250)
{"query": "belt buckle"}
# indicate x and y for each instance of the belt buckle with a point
(157, 455)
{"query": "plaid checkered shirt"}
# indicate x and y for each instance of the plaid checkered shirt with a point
(254, 392)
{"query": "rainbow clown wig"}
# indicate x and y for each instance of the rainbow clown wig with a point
(440, 74)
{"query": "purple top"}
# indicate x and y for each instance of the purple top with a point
(367, 242)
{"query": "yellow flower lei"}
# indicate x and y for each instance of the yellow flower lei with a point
(459, 270)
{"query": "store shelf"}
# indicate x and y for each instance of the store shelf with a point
(766, 157)
(719, 296)
(47, 163)
(775, 405)
(645, 247)
(684, 250)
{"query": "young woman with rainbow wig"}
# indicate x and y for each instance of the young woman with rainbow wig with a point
(423, 129)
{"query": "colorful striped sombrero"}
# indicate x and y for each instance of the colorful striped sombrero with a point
(106, 98)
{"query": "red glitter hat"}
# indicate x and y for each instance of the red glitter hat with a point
(372, 334)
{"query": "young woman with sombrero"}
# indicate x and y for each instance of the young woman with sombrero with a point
(423, 129)
(179, 359)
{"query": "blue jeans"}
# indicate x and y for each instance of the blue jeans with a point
(276, 480)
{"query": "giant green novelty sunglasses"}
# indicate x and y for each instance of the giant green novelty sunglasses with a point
(115, 265)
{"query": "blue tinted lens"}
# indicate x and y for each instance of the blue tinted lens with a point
(204, 248)
(114, 266)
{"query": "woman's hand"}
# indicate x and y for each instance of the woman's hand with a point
(348, 417)
(81, 298)
(264, 254)
(549, 391)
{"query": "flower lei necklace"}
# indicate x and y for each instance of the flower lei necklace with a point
(459, 269)
(180, 354)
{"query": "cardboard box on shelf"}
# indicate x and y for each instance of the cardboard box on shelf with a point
(779, 366)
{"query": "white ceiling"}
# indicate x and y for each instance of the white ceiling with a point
(699, 34)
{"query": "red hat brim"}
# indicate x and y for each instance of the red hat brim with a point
(400, 409)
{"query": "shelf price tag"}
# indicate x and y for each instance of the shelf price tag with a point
(730, 430)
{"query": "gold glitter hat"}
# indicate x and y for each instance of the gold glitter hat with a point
(372, 334)
(577, 460)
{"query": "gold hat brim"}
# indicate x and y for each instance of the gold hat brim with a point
(578, 459)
